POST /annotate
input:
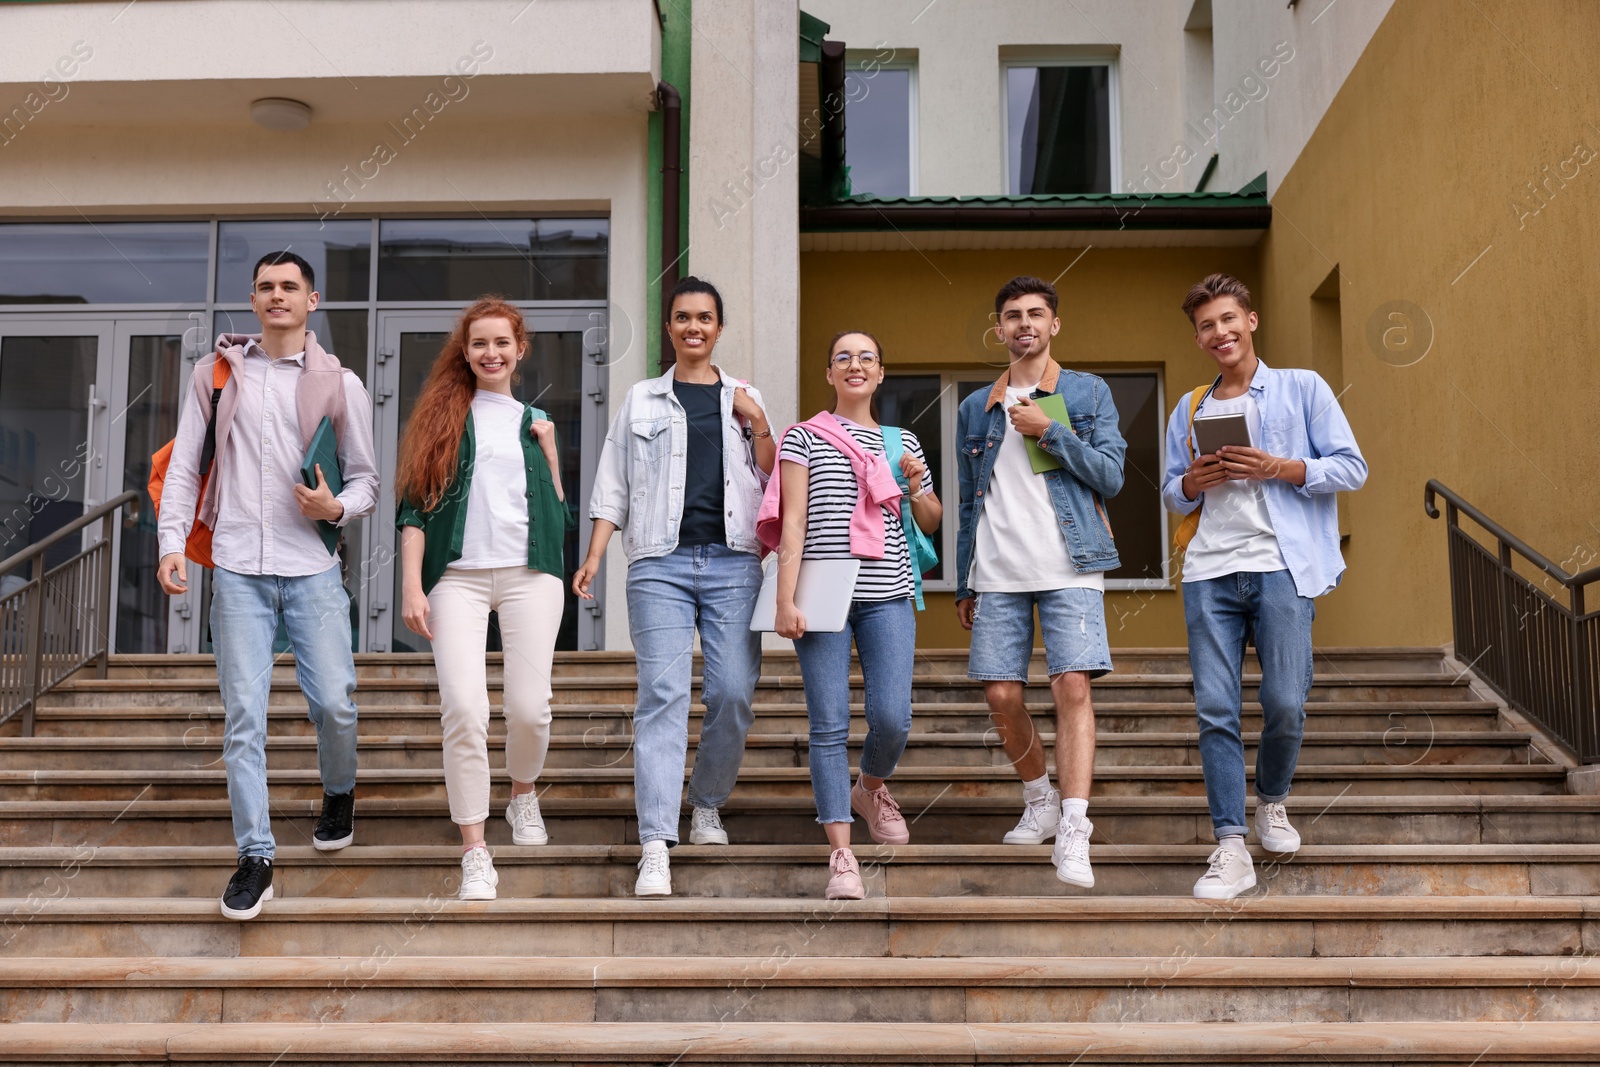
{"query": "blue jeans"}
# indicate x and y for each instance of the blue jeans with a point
(1221, 614)
(885, 633)
(712, 587)
(315, 609)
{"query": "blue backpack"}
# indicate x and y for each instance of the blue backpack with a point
(923, 555)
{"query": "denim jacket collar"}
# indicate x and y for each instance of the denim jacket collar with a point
(1052, 373)
(661, 385)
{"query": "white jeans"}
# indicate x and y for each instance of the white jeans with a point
(530, 604)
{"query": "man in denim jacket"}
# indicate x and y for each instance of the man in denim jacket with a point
(1267, 545)
(1039, 540)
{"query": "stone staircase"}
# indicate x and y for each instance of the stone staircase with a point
(1444, 909)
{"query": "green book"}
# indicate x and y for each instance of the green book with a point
(1055, 406)
(324, 450)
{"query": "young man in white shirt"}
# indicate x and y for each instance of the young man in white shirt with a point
(271, 561)
(1267, 545)
(1039, 540)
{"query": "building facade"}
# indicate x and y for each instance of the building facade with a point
(882, 166)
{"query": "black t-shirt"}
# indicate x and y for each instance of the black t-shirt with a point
(702, 489)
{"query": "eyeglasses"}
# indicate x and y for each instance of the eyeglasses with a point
(841, 360)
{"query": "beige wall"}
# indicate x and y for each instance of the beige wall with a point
(1416, 184)
(1118, 307)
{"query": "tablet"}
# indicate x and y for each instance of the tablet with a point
(822, 594)
(1211, 432)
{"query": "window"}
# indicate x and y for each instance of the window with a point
(880, 127)
(1060, 128)
(339, 252)
(104, 262)
(927, 403)
(521, 259)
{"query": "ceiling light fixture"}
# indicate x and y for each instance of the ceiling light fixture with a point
(278, 113)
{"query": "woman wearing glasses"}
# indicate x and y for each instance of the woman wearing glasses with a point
(838, 499)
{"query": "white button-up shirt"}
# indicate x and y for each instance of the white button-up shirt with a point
(260, 529)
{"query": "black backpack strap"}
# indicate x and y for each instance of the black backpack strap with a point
(208, 450)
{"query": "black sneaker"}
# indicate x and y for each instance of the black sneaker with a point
(248, 889)
(337, 827)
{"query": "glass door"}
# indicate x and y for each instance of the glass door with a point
(563, 374)
(54, 430)
(154, 358)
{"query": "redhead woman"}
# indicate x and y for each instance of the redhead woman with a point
(483, 518)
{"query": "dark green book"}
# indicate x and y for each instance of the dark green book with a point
(1055, 406)
(324, 450)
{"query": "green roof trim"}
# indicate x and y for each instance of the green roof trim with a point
(1256, 187)
(812, 31)
(1077, 211)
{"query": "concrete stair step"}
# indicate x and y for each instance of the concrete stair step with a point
(729, 1041)
(915, 787)
(1269, 925)
(772, 688)
(421, 871)
(1401, 660)
(762, 749)
(1439, 819)
(773, 988)
(1405, 718)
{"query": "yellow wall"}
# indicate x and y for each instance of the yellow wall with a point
(1118, 307)
(1416, 170)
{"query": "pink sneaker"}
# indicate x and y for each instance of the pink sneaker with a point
(884, 822)
(846, 882)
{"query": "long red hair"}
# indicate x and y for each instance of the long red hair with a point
(433, 433)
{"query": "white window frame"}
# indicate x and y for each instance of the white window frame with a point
(1113, 88)
(950, 492)
(853, 59)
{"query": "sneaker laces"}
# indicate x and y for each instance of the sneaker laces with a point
(1033, 815)
(526, 806)
(653, 862)
(1078, 841)
(1277, 817)
(887, 805)
(1220, 858)
(706, 819)
(248, 877)
(843, 861)
(475, 864)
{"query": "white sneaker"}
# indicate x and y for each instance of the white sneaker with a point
(527, 824)
(478, 877)
(705, 828)
(1039, 821)
(1273, 829)
(655, 872)
(1071, 854)
(1230, 874)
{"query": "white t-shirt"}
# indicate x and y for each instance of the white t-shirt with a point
(496, 533)
(1235, 531)
(831, 500)
(1018, 546)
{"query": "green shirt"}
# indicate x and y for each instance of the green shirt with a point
(443, 528)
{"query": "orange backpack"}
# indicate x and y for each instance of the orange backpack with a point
(198, 546)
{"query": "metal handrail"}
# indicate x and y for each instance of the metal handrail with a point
(1506, 537)
(74, 594)
(39, 548)
(1542, 656)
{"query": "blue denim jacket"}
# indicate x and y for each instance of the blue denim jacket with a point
(1300, 419)
(1092, 452)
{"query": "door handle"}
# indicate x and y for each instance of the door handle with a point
(89, 456)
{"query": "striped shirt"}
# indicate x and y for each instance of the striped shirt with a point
(831, 499)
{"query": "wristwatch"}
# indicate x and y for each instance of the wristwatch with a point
(750, 433)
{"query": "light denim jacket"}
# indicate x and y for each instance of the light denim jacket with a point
(1300, 419)
(639, 483)
(1092, 451)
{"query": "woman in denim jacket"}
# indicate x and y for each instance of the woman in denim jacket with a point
(681, 475)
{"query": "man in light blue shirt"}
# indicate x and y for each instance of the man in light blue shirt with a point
(1266, 546)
